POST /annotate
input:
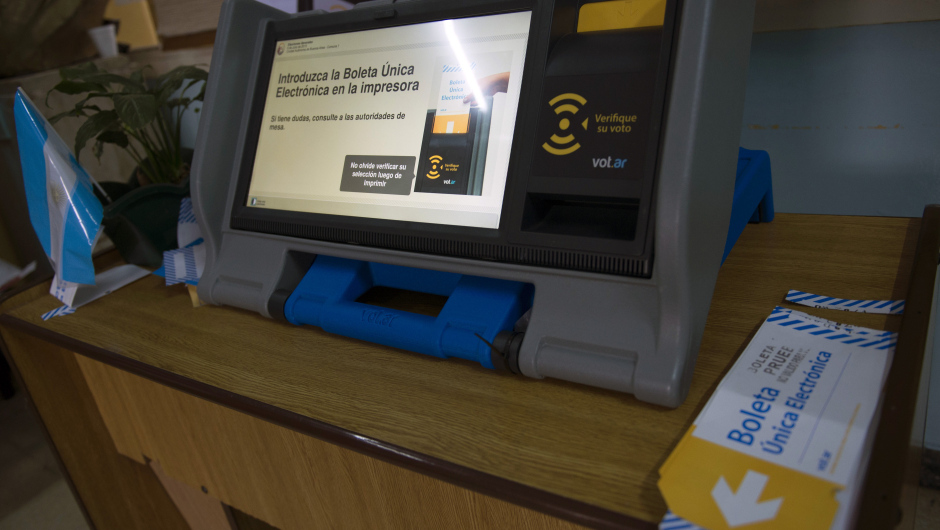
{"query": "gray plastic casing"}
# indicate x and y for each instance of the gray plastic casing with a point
(635, 335)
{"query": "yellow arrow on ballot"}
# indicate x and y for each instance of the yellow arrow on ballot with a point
(742, 506)
(719, 488)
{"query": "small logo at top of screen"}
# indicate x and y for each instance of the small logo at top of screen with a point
(254, 201)
(280, 48)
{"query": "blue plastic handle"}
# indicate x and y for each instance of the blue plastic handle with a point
(476, 311)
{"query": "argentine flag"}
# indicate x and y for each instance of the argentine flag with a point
(63, 209)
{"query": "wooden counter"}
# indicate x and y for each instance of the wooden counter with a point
(293, 425)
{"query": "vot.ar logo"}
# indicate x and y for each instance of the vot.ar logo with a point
(609, 162)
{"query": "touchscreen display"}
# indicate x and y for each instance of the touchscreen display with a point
(410, 123)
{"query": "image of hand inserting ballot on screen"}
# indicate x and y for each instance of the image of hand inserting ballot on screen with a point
(471, 92)
(410, 123)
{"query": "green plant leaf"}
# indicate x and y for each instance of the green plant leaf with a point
(180, 73)
(73, 87)
(79, 110)
(73, 72)
(93, 125)
(178, 101)
(135, 110)
(77, 87)
(91, 96)
(166, 90)
(104, 78)
(115, 137)
(138, 75)
(199, 95)
(69, 113)
(98, 150)
(170, 82)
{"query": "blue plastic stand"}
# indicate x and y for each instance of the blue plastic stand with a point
(753, 195)
(476, 311)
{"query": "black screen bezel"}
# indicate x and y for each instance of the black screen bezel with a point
(285, 221)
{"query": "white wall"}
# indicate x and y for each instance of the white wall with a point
(850, 117)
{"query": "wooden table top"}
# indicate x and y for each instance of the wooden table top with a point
(551, 445)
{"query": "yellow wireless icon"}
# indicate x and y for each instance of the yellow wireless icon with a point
(561, 107)
(436, 161)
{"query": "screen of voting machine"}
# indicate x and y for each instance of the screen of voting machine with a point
(408, 123)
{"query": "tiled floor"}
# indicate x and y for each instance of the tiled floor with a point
(33, 493)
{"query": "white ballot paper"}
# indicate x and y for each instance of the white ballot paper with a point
(453, 90)
(75, 295)
(784, 435)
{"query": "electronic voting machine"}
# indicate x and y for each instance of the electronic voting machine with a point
(561, 170)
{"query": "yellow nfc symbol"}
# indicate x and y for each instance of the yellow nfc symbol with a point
(436, 162)
(565, 104)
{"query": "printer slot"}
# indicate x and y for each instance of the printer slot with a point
(598, 217)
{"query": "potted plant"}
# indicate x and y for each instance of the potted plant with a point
(143, 117)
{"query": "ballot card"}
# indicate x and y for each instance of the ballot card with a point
(785, 432)
(802, 395)
(452, 115)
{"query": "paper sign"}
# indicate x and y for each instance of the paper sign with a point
(785, 430)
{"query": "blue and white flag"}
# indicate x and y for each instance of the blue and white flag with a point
(63, 209)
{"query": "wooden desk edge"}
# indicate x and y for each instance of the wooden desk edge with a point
(504, 489)
(882, 484)
(880, 499)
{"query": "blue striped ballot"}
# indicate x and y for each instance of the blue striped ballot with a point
(185, 265)
(63, 209)
(672, 521)
(107, 282)
(187, 230)
(58, 312)
(884, 307)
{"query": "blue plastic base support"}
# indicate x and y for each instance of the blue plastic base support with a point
(477, 307)
(753, 195)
